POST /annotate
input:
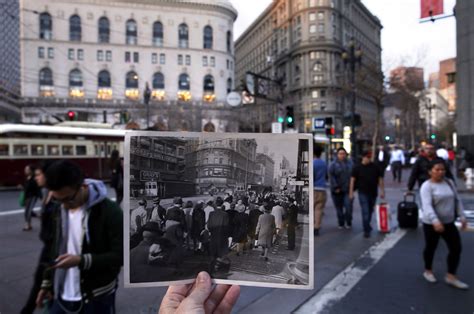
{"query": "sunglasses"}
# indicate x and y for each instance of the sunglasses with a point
(68, 199)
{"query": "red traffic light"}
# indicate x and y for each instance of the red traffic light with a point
(71, 115)
(331, 131)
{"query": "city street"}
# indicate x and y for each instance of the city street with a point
(392, 285)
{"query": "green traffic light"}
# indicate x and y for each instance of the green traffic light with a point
(281, 120)
(433, 136)
(387, 138)
(289, 119)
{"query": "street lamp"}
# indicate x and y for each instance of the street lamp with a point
(146, 100)
(352, 57)
(430, 107)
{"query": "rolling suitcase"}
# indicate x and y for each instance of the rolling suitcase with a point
(407, 212)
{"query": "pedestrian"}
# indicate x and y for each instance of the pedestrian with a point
(441, 204)
(208, 209)
(320, 171)
(158, 212)
(397, 160)
(420, 172)
(254, 214)
(340, 172)
(188, 216)
(231, 212)
(265, 231)
(218, 226)
(48, 207)
(442, 152)
(368, 179)
(382, 159)
(116, 180)
(89, 237)
(176, 213)
(198, 225)
(138, 219)
(292, 223)
(278, 213)
(140, 255)
(31, 193)
(240, 229)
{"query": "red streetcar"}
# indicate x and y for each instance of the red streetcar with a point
(87, 144)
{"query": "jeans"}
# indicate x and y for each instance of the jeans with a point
(453, 241)
(342, 201)
(102, 304)
(397, 170)
(367, 205)
(29, 205)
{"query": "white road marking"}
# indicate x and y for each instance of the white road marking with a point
(340, 286)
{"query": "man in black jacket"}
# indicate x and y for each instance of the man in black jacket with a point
(86, 246)
(419, 172)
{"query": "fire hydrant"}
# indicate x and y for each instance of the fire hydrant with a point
(469, 173)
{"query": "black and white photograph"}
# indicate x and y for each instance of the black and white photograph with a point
(234, 205)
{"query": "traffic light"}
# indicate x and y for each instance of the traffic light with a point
(331, 131)
(433, 136)
(387, 138)
(281, 119)
(72, 116)
(290, 117)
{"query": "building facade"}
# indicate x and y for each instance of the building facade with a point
(438, 115)
(97, 57)
(265, 169)
(447, 82)
(300, 43)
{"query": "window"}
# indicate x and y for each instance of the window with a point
(213, 61)
(188, 60)
(53, 150)
(323, 93)
(204, 61)
(180, 59)
(317, 55)
(41, 52)
(229, 42)
(103, 79)
(50, 53)
(131, 32)
(162, 58)
(46, 26)
(154, 58)
(80, 54)
(75, 84)
(108, 55)
(451, 78)
(100, 55)
(136, 57)
(20, 150)
(315, 94)
(70, 54)
(104, 30)
(208, 84)
(318, 78)
(183, 36)
(318, 67)
(312, 16)
(312, 29)
(158, 34)
(158, 81)
(68, 150)
(320, 15)
(75, 29)
(208, 37)
(81, 150)
(184, 83)
(229, 85)
(46, 77)
(321, 27)
(4, 150)
(131, 80)
(128, 57)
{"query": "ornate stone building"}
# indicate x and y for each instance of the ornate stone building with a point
(301, 42)
(96, 57)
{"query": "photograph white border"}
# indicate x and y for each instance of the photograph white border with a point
(126, 207)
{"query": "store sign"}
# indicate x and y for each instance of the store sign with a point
(146, 175)
(319, 124)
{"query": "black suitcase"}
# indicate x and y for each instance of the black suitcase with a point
(407, 212)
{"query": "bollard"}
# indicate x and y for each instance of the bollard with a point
(469, 178)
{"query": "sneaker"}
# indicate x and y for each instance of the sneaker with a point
(456, 283)
(340, 227)
(366, 235)
(348, 227)
(429, 277)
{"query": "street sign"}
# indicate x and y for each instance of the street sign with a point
(234, 99)
(277, 127)
(319, 124)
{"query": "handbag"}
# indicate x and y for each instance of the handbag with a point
(456, 201)
(21, 199)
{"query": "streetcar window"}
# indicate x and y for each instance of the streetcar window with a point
(68, 150)
(37, 150)
(81, 150)
(180, 152)
(20, 150)
(4, 150)
(158, 147)
(53, 150)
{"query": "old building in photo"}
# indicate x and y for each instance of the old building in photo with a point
(97, 57)
(265, 169)
(301, 43)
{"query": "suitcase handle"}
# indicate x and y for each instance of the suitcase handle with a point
(413, 195)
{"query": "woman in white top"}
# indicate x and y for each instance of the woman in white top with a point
(441, 205)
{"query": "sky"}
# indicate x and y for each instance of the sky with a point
(405, 41)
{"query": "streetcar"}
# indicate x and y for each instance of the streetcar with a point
(89, 145)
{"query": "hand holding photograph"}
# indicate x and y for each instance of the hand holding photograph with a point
(233, 205)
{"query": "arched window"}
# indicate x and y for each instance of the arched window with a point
(46, 26)
(183, 36)
(131, 80)
(75, 29)
(158, 34)
(103, 79)
(46, 77)
(158, 81)
(229, 42)
(229, 85)
(184, 83)
(208, 84)
(75, 78)
(208, 37)
(104, 30)
(131, 32)
(318, 66)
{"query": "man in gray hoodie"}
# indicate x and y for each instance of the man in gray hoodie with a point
(339, 178)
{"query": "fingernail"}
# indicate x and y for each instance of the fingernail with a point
(203, 277)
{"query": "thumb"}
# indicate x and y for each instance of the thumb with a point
(202, 289)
